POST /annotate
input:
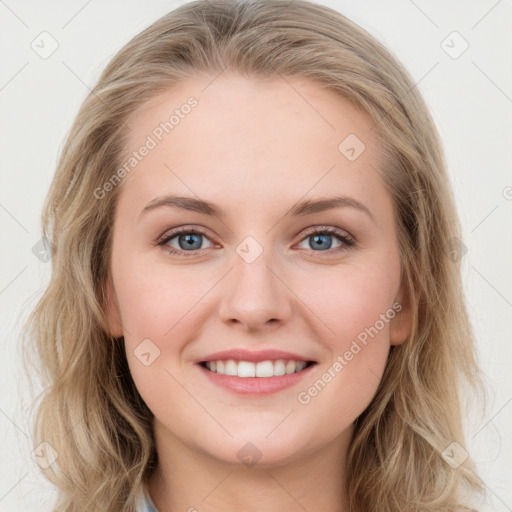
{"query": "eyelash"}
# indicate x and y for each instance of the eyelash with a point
(347, 240)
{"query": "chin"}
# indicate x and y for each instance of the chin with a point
(257, 451)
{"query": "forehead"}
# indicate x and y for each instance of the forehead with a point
(271, 137)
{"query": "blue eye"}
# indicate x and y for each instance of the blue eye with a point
(321, 238)
(189, 240)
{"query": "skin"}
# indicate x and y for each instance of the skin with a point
(254, 148)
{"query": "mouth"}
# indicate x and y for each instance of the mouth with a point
(254, 379)
(261, 369)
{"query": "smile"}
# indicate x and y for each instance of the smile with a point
(254, 379)
(245, 369)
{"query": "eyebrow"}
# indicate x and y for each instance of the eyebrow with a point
(303, 208)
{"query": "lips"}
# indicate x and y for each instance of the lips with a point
(255, 371)
(245, 383)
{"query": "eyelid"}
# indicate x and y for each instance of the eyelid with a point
(331, 230)
(171, 233)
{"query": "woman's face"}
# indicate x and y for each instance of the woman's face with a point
(258, 268)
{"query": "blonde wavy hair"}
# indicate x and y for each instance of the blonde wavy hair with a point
(89, 409)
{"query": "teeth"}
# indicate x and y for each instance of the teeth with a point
(290, 367)
(261, 369)
(246, 369)
(279, 367)
(230, 368)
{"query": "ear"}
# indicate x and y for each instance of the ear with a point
(401, 323)
(112, 309)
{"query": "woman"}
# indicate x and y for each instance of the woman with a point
(205, 346)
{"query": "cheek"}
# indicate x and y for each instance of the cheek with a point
(356, 304)
(351, 299)
(347, 381)
(162, 310)
(156, 299)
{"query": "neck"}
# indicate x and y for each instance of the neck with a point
(188, 480)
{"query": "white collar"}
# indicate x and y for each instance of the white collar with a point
(144, 501)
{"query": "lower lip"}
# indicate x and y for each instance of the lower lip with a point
(256, 385)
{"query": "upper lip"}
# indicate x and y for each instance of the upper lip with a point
(253, 356)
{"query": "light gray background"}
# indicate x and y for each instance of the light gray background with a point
(470, 99)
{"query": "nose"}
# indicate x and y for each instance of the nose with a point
(255, 297)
